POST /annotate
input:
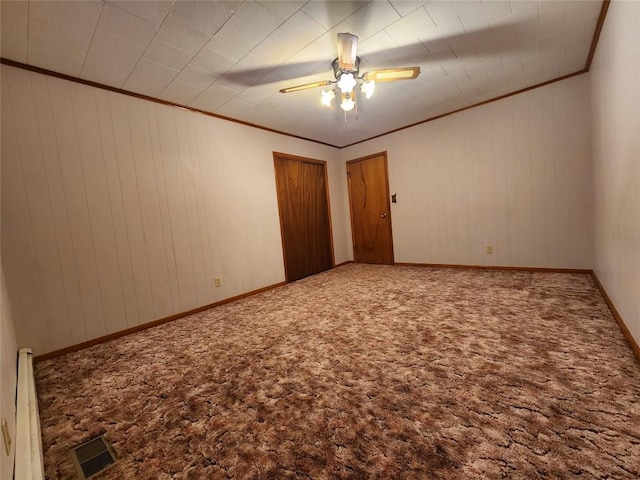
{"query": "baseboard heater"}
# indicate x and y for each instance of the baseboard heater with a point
(29, 463)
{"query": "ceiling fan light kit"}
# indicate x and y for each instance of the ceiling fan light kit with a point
(346, 68)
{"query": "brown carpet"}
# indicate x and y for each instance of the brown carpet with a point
(363, 372)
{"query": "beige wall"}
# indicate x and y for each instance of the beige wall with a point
(615, 92)
(118, 211)
(515, 174)
(8, 371)
(8, 377)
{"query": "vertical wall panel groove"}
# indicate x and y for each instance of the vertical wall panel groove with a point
(19, 260)
(188, 174)
(149, 207)
(116, 201)
(95, 295)
(39, 207)
(70, 323)
(198, 200)
(117, 319)
(213, 205)
(83, 252)
(167, 240)
(60, 208)
(201, 190)
(177, 209)
(99, 202)
(144, 235)
(131, 203)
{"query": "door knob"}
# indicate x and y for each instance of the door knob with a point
(383, 215)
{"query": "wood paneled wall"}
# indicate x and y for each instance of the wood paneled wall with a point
(118, 211)
(8, 365)
(8, 381)
(615, 98)
(515, 174)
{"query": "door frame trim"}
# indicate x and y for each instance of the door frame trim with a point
(323, 163)
(383, 154)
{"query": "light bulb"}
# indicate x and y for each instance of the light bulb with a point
(327, 96)
(347, 82)
(348, 102)
(368, 88)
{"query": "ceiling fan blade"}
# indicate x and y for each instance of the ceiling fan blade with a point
(392, 74)
(306, 86)
(347, 49)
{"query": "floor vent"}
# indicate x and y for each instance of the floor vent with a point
(92, 457)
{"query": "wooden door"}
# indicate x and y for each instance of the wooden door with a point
(370, 209)
(305, 222)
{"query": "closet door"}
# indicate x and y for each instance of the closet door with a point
(305, 223)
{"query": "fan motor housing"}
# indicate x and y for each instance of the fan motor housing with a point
(337, 71)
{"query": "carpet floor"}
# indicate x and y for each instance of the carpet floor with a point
(362, 372)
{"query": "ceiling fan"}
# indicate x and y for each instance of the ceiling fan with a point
(346, 70)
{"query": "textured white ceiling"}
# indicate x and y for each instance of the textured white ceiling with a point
(231, 58)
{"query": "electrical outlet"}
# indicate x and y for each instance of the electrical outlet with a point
(6, 434)
(218, 281)
(489, 249)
